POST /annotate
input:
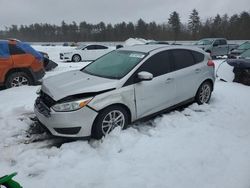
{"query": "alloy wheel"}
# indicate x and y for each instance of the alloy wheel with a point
(205, 93)
(113, 119)
(19, 81)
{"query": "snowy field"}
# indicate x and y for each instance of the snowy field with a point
(204, 146)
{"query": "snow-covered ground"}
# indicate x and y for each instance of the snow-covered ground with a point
(197, 147)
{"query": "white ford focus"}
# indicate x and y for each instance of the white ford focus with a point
(86, 53)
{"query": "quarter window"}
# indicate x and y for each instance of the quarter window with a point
(199, 57)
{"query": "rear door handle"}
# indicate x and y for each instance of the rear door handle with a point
(197, 70)
(169, 80)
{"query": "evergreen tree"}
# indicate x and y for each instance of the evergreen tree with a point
(175, 24)
(194, 23)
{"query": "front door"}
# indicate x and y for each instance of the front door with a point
(159, 93)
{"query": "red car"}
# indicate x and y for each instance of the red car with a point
(20, 64)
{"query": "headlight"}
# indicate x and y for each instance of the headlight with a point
(46, 56)
(71, 106)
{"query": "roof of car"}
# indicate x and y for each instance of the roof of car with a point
(143, 48)
(149, 48)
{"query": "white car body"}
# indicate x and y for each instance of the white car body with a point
(86, 53)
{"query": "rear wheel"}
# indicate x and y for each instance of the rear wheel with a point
(17, 79)
(108, 119)
(76, 58)
(204, 92)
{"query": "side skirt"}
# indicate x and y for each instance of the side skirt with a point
(182, 104)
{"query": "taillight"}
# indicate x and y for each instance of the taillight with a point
(210, 63)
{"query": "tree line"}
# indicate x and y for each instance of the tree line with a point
(234, 27)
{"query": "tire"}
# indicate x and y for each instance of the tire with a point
(17, 79)
(104, 124)
(204, 92)
(76, 58)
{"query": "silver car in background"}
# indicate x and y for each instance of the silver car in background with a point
(123, 86)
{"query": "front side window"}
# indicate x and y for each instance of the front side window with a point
(217, 43)
(223, 42)
(204, 42)
(100, 47)
(91, 47)
(158, 64)
(81, 47)
(115, 64)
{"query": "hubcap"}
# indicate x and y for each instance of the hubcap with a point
(76, 58)
(19, 81)
(205, 93)
(113, 119)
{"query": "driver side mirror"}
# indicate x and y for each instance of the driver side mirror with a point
(145, 76)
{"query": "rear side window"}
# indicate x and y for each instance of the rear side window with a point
(4, 50)
(182, 58)
(158, 64)
(199, 57)
(15, 50)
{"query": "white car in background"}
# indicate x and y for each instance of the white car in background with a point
(86, 53)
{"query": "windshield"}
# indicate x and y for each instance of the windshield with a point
(80, 47)
(244, 46)
(115, 64)
(204, 42)
(246, 54)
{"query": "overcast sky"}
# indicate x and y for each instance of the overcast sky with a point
(110, 11)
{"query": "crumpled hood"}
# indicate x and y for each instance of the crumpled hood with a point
(75, 82)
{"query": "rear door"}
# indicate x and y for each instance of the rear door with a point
(158, 93)
(5, 60)
(188, 73)
(100, 50)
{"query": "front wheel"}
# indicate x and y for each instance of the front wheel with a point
(76, 58)
(17, 79)
(204, 92)
(108, 119)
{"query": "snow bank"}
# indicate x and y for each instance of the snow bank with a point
(134, 41)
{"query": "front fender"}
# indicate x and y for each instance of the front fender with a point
(123, 96)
